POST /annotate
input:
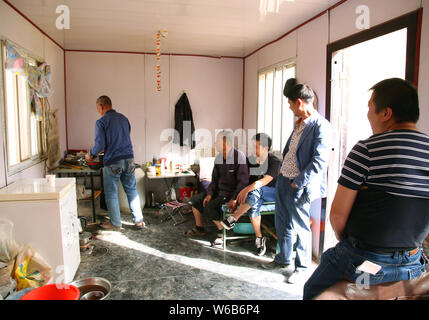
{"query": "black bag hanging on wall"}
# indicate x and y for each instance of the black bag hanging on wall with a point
(182, 114)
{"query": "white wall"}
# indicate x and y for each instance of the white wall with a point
(17, 29)
(213, 86)
(308, 44)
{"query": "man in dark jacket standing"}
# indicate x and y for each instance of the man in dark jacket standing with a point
(112, 134)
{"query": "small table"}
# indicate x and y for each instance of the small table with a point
(173, 176)
(77, 171)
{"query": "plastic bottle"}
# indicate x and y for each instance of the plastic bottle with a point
(163, 167)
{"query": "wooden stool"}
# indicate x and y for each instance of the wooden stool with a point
(415, 289)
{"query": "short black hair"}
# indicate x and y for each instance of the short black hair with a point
(104, 101)
(264, 139)
(294, 91)
(399, 95)
(227, 136)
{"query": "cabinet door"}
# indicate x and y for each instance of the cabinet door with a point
(70, 233)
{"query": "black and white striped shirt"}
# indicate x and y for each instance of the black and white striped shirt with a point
(396, 162)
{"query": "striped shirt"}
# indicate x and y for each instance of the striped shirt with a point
(396, 162)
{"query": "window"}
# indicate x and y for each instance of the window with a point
(23, 130)
(274, 116)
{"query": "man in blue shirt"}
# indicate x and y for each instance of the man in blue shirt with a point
(112, 135)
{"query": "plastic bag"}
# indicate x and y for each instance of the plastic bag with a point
(8, 246)
(44, 88)
(14, 61)
(6, 272)
(31, 270)
(8, 288)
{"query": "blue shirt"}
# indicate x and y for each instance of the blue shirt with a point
(112, 134)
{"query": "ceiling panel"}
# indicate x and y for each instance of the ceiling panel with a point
(207, 27)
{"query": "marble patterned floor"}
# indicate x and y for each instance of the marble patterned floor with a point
(160, 263)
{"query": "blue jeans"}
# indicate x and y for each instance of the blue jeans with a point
(341, 262)
(256, 198)
(122, 170)
(292, 214)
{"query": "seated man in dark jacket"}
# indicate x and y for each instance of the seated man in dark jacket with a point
(230, 175)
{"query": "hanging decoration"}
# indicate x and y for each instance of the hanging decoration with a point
(159, 34)
(38, 77)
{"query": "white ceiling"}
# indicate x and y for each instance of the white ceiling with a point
(206, 27)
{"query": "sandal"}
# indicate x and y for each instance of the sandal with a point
(140, 226)
(194, 232)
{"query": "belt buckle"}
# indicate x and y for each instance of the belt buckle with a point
(413, 252)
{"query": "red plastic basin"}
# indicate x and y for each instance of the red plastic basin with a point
(55, 291)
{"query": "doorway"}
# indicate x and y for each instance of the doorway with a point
(355, 64)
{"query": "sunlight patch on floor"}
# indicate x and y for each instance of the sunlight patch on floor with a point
(262, 278)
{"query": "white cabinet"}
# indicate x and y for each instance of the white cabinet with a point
(45, 217)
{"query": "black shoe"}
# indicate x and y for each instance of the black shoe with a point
(228, 223)
(260, 246)
(274, 266)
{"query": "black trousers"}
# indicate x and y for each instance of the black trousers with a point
(213, 209)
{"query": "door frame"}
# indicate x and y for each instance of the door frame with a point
(412, 21)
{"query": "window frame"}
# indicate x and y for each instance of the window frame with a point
(292, 62)
(41, 137)
(411, 21)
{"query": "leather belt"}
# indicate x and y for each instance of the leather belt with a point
(356, 243)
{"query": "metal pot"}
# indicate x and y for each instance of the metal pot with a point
(95, 285)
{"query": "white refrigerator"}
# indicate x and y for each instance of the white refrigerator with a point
(45, 216)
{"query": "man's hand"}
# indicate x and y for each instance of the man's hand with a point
(88, 157)
(232, 205)
(294, 186)
(207, 199)
(241, 198)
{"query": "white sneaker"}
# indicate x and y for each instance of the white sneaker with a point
(228, 223)
(260, 246)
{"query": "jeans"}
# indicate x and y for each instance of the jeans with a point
(341, 263)
(122, 170)
(292, 214)
(256, 198)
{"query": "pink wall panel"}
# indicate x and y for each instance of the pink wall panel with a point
(214, 88)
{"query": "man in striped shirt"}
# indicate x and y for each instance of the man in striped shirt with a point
(380, 213)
